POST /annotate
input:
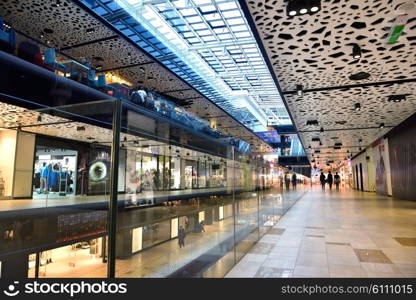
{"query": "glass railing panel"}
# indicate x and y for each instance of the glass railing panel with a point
(55, 168)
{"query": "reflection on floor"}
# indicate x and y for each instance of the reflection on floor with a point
(72, 263)
(342, 233)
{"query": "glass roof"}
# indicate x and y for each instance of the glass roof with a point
(210, 45)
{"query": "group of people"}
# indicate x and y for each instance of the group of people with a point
(330, 179)
(287, 179)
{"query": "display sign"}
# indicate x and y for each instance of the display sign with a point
(269, 136)
(137, 238)
(174, 225)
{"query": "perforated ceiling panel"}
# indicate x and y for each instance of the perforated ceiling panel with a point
(315, 51)
(62, 25)
(110, 54)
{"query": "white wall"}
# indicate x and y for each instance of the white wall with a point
(23, 175)
(371, 170)
(7, 150)
(356, 162)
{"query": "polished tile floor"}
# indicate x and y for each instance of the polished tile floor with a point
(342, 233)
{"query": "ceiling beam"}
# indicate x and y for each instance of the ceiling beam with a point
(359, 85)
(109, 38)
(127, 66)
(345, 129)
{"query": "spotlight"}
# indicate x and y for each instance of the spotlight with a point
(293, 13)
(314, 8)
(89, 30)
(299, 89)
(295, 7)
(381, 125)
(356, 51)
(39, 118)
(322, 129)
(357, 106)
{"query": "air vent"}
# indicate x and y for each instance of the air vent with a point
(340, 122)
(338, 144)
(316, 139)
(396, 98)
(312, 122)
(359, 76)
(337, 147)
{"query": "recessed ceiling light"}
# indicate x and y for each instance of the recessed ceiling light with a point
(314, 8)
(292, 13)
(303, 11)
(381, 125)
(322, 129)
(356, 51)
(299, 89)
(357, 106)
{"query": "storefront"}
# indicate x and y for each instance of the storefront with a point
(85, 257)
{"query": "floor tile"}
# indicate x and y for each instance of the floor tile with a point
(411, 242)
(280, 261)
(312, 259)
(345, 271)
(267, 272)
(261, 248)
(372, 256)
(346, 259)
(306, 271)
(277, 231)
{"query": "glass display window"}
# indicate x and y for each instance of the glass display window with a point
(75, 260)
(156, 233)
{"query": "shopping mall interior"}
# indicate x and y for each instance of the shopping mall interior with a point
(207, 138)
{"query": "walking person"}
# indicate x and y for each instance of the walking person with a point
(201, 226)
(337, 180)
(181, 237)
(329, 179)
(287, 181)
(44, 174)
(322, 179)
(294, 181)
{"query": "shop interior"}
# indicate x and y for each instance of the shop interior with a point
(54, 172)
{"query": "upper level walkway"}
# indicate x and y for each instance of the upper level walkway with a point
(342, 233)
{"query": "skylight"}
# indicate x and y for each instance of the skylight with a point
(213, 39)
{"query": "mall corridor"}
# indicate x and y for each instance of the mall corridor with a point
(337, 234)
